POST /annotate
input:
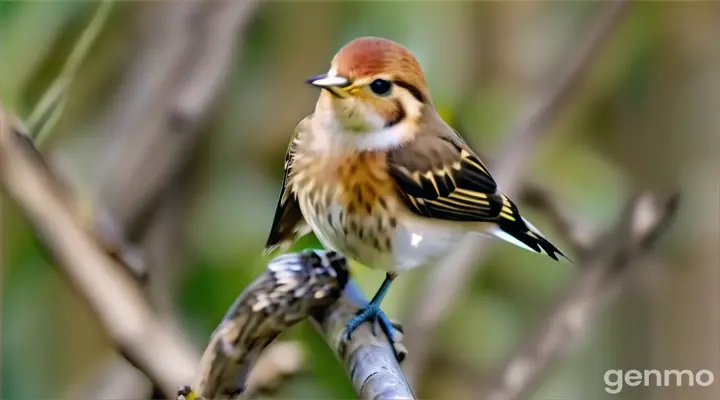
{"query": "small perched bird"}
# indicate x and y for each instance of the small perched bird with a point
(378, 176)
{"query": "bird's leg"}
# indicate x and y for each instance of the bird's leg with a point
(373, 313)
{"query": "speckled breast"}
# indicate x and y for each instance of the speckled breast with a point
(348, 202)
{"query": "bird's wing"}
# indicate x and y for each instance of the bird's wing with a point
(288, 223)
(439, 176)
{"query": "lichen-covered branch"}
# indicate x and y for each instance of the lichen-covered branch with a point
(293, 287)
(296, 286)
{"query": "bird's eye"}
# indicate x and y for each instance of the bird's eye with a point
(380, 87)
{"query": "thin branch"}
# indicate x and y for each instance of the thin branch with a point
(447, 281)
(572, 228)
(183, 56)
(183, 61)
(112, 294)
(371, 361)
(50, 106)
(608, 265)
(532, 126)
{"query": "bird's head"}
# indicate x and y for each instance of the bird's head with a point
(374, 93)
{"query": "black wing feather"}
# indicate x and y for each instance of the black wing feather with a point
(440, 178)
(288, 222)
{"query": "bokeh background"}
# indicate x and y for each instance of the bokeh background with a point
(645, 116)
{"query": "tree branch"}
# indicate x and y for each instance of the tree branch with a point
(293, 287)
(112, 294)
(448, 280)
(183, 54)
(372, 362)
(296, 286)
(48, 109)
(183, 61)
(575, 230)
(608, 264)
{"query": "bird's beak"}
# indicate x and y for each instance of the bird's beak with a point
(326, 81)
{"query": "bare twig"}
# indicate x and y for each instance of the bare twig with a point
(183, 55)
(607, 265)
(183, 61)
(116, 299)
(202, 38)
(372, 362)
(577, 232)
(49, 108)
(447, 281)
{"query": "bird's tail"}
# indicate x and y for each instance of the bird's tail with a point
(520, 232)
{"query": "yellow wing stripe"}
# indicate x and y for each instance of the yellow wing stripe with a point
(466, 156)
(413, 201)
(507, 216)
(461, 197)
(461, 204)
(471, 193)
(448, 206)
(431, 177)
(450, 175)
(455, 210)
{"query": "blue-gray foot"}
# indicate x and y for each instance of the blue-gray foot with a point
(373, 314)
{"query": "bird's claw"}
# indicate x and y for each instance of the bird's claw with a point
(373, 314)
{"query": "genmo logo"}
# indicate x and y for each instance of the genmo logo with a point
(616, 379)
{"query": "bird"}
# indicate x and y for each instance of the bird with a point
(380, 177)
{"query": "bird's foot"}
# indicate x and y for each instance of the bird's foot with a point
(373, 314)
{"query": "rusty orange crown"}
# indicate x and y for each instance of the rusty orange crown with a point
(371, 56)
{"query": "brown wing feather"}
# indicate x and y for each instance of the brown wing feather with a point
(438, 176)
(288, 223)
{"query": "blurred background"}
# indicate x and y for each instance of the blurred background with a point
(213, 95)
